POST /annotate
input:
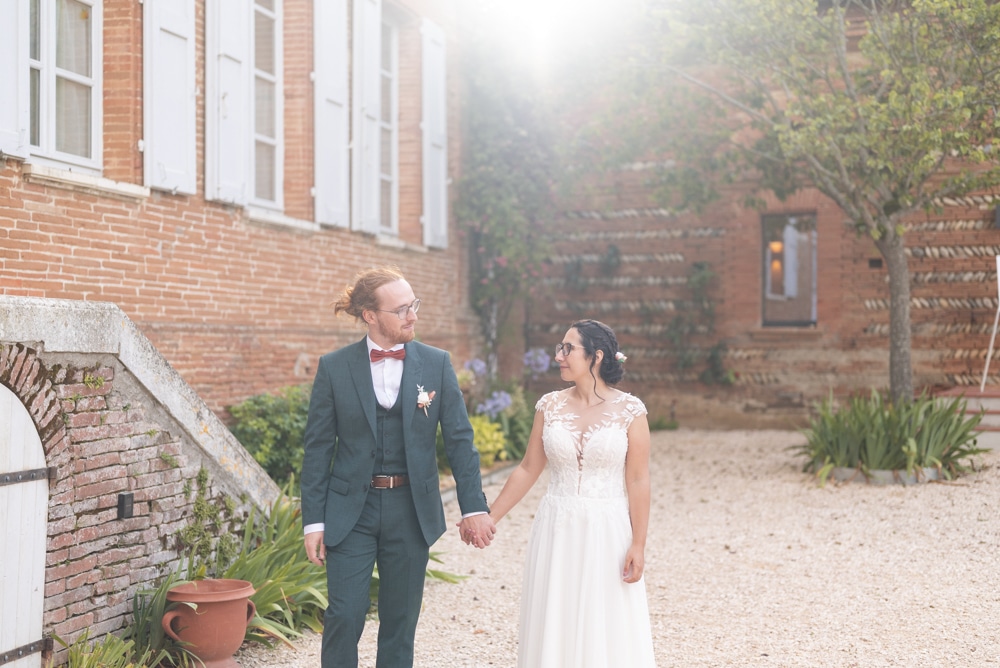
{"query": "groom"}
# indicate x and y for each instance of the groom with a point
(370, 491)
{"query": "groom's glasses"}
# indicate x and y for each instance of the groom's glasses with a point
(564, 349)
(403, 311)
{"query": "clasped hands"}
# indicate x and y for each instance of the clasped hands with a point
(477, 530)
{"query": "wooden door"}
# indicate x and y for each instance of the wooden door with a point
(24, 497)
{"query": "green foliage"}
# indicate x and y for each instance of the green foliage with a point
(884, 107)
(209, 537)
(504, 195)
(661, 423)
(489, 439)
(516, 421)
(146, 631)
(290, 590)
(871, 433)
(271, 428)
(693, 323)
(110, 652)
(170, 460)
(92, 381)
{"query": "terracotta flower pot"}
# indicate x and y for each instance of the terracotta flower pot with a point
(214, 626)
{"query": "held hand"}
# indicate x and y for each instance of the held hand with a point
(315, 549)
(634, 565)
(477, 530)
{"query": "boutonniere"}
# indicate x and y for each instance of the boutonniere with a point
(424, 398)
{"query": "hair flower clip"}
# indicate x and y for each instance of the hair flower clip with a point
(424, 398)
(620, 357)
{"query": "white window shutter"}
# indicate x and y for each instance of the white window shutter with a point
(367, 100)
(435, 135)
(332, 153)
(15, 108)
(169, 92)
(227, 100)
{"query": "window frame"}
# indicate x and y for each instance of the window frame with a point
(277, 81)
(389, 224)
(45, 150)
(766, 294)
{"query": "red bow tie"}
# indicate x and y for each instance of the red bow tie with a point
(379, 355)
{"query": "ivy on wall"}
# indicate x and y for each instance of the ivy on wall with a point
(504, 195)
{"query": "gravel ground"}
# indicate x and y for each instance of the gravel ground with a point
(750, 563)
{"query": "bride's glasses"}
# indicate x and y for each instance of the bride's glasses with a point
(564, 349)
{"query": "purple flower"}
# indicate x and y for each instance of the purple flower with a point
(495, 404)
(476, 366)
(537, 361)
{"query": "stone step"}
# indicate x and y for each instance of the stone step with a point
(986, 401)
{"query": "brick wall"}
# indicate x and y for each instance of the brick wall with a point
(104, 434)
(238, 307)
(779, 371)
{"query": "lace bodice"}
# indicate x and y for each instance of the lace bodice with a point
(590, 461)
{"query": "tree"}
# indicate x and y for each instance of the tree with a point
(884, 106)
(504, 194)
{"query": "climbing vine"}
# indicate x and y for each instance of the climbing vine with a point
(504, 195)
(693, 324)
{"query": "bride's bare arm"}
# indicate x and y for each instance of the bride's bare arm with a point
(637, 487)
(524, 476)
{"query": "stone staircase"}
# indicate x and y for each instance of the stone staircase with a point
(989, 402)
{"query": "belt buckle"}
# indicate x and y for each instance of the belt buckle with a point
(386, 478)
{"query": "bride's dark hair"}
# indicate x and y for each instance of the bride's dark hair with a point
(594, 336)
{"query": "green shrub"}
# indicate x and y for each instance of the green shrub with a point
(489, 439)
(271, 428)
(146, 632)
(110, 652)
(871, 433)
(661, 423)
(516, 421)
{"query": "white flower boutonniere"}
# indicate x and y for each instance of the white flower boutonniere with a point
(424, 398)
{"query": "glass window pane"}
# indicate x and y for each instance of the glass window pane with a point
(264, 164)
(35, 44)
(264, 108)
(386, 47)
(73, 119)
(386, 99)
(385, 146)
(264, 43)
(73, 37)
(789, 270)
(385, 216)
(266, 4)
(34, 77)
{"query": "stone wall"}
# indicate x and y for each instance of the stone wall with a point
(113, 418)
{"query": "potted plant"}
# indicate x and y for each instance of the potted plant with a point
(210, 618)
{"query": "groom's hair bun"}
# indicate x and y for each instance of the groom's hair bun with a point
(360, 297)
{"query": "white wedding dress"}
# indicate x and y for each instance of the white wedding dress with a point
(576, 611)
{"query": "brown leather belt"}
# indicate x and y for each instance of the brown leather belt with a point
(390, 481)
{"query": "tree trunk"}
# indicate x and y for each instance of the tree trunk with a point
(900, 364)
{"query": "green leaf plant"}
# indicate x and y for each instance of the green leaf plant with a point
(872, 433)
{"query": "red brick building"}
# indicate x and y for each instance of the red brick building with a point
(798, 300)
(220, 170)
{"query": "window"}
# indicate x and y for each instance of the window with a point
(50, 80)
(389, 130)
(789, 269)
(244, 146)
(267, 89)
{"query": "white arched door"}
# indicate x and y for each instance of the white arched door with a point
(24, 499)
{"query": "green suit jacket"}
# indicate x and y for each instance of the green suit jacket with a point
(340, 441)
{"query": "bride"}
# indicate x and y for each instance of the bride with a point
(583, 599)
